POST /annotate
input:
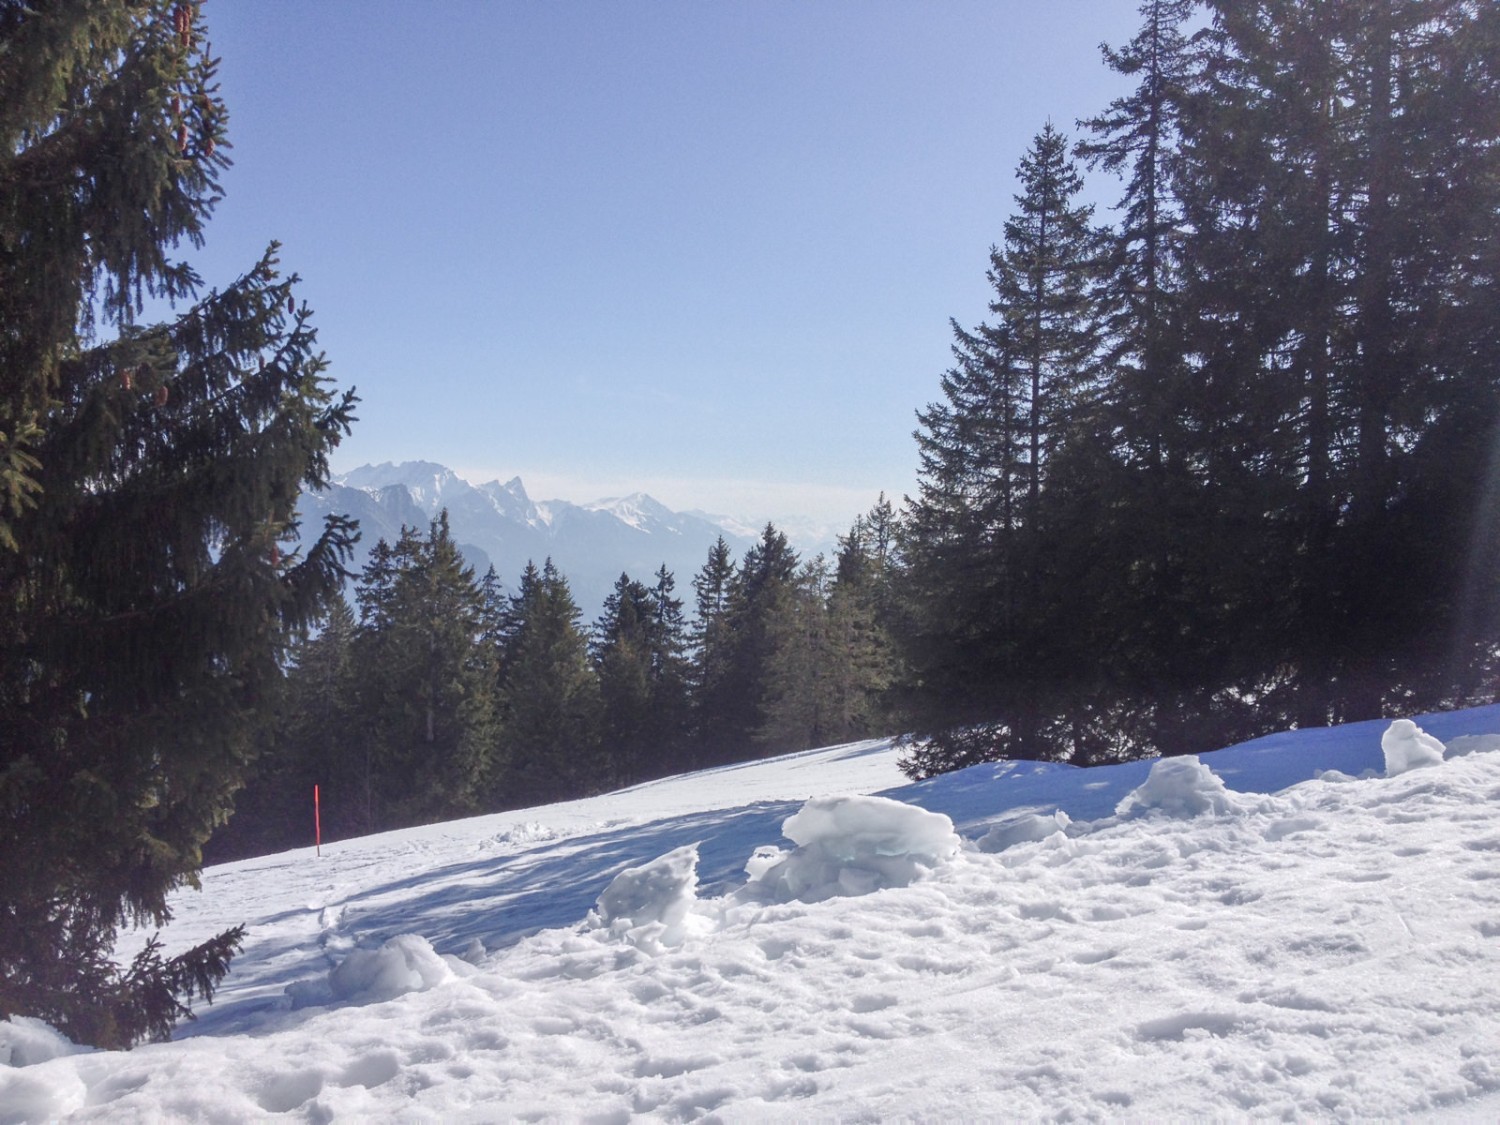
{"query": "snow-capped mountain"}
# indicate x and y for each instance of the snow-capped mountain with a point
(499, 524)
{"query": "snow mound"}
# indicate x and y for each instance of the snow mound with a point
(25, 1042)
(1407, 747)
(405, 963)
(851, 846)
(528, 832)
(1026, 829)
(1466, 744)
(1180, 787)
(648, 905)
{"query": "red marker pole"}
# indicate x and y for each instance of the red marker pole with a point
(317, 821)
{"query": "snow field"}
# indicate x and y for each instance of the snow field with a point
(1171, 947)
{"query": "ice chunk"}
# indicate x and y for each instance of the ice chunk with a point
(852, 846)
(648, 905)
(1181, 787)
(405, 963)
(1408, 747)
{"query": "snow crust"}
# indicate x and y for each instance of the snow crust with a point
(1274, 930)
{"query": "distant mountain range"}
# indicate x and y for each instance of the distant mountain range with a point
(498, 524)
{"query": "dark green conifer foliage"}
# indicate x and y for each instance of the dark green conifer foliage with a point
(638, 652)
(754, 590)
(1268, 504)
(423, 683)
(712, 687)
(983, 643)
(146, 482)
(797, 703)
(312, 739)
(549, 695)
(1152, 618)
(1343, 157)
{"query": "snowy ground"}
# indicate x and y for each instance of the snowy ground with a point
(1315, 940)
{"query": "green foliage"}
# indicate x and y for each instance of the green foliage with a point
(549, 696)
(981, 634)
(422, 688)
(1260, 498)
(146, 483)
(638, 650)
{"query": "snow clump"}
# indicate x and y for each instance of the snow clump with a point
(1466, 744)
(851, 846)
(648, 905)
(1025, 829)
(1181, 787)
(1408, 747)
(25, 1041)
(405, 963)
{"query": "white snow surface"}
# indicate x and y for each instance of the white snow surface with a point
(1272, 930)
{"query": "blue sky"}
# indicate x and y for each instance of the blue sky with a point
(707, 250)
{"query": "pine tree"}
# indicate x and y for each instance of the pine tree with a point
(762, 579)
(711, 686)
(549, 695)
(797, 706)
(638, 652)
(621, 650)
(424, 684)
(982, 645)
(829, 661)
(672, 673)
(146, 484)
(1149, 611)
(313, 739)
(1338, 171)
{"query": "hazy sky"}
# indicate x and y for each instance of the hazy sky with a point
(707, 250)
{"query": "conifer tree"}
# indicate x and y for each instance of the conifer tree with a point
(710, 683)
(797, 705)
(549, 695)
(762, 579)
(312, 739)
(147, 482)
(621, 650)
(638, 651)
(982, 642)
(1338, 167)
(1151, 615)
(424, 683)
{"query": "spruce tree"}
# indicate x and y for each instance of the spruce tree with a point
(621, 650)
(549, 695)
(148, 480)
(711, 685)
(985, 651)
(423, 684)
(759, 584)
(312, 739)
(1338, 178)
(1151, 618)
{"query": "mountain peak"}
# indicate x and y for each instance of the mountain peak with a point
(639, 510)
(498, 523)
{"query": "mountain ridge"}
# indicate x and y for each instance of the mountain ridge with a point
(499, 524)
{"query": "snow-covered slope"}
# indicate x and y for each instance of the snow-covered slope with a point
(1272, 930)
